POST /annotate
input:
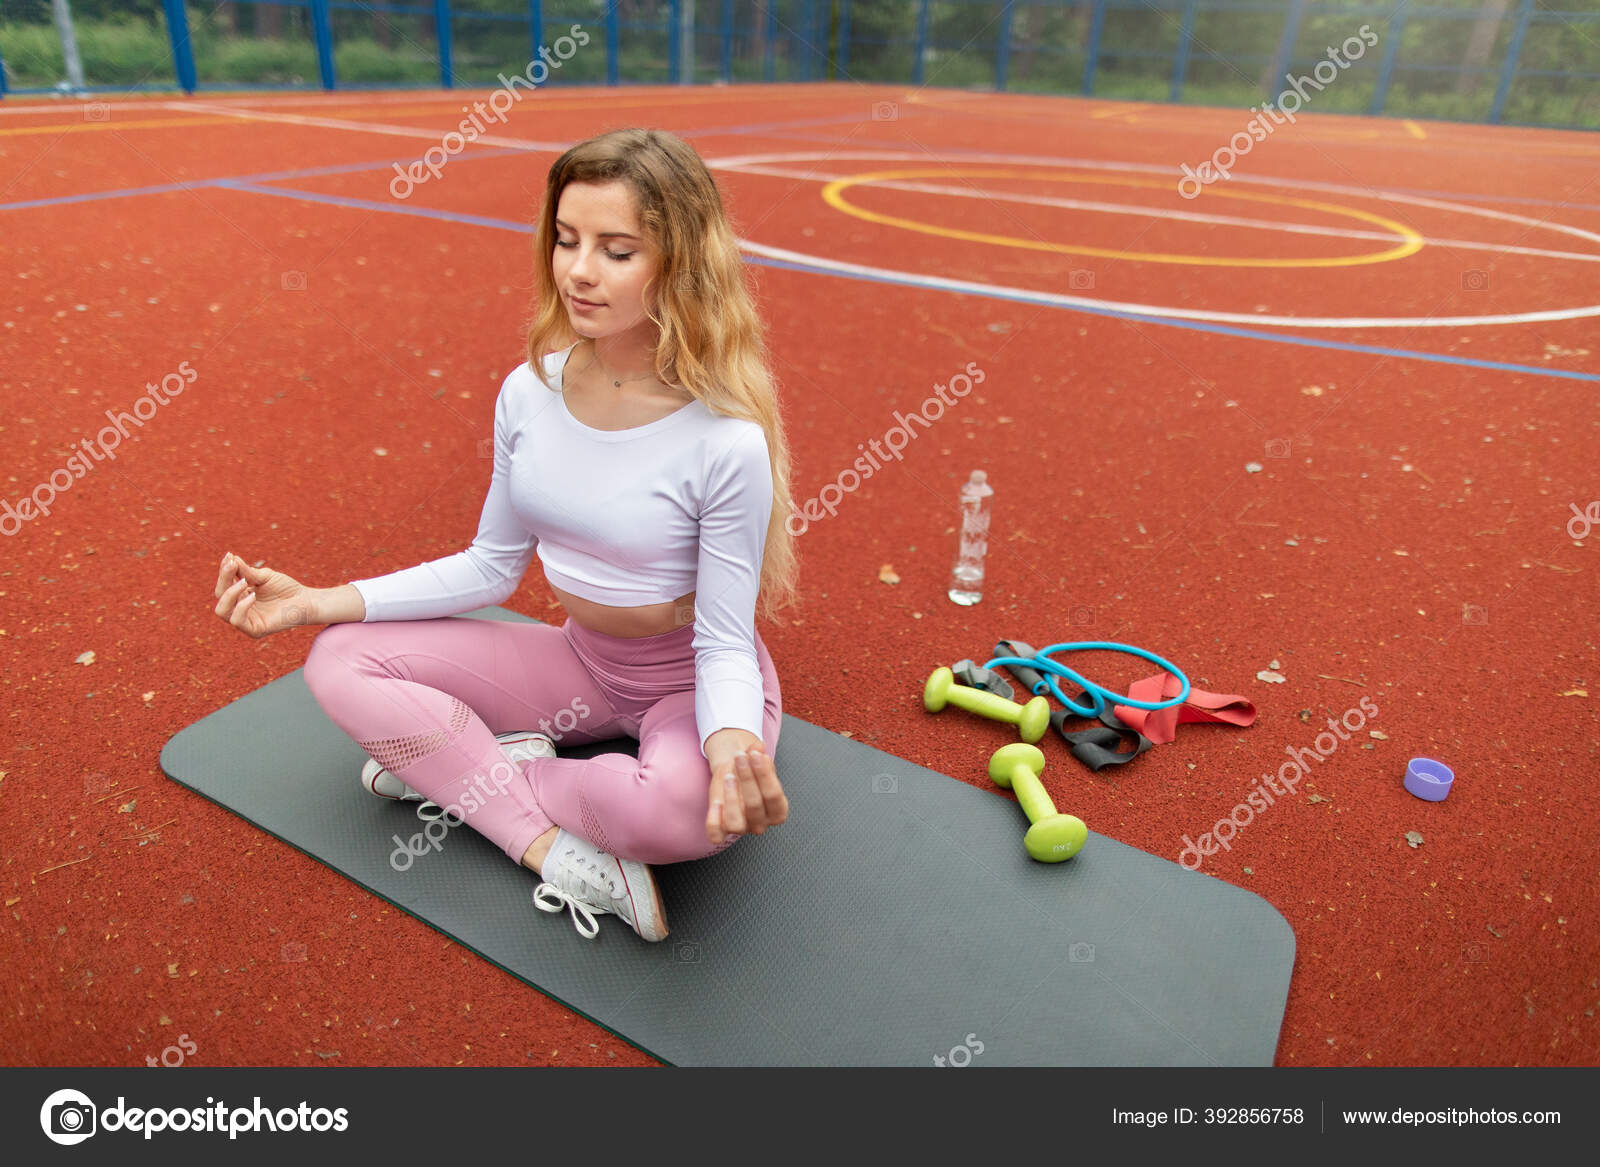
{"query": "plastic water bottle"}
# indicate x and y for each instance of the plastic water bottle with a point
(966, 578)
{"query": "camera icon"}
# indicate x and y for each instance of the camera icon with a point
(296, 616)
(486, 447)
(885, 784)
(885, 111)
(96, 784)
(1081, 952)
(1082, 615)
(683, 614)
(1474, 280)
(97, 111)
(1278, 448)
(1080, 279)
(686, 952)
(292, 951)
(1472, 954)
(293, 281)
(68, 1117)
(1474, 614)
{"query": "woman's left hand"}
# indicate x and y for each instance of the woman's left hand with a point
(745, 796)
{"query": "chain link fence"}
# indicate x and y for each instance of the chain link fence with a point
(1467, 60)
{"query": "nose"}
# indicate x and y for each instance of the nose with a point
(582, 261)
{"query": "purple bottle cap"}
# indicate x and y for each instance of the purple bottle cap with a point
(1428, 779)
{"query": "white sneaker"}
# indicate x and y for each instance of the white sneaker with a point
(517, 746)
(580, 876)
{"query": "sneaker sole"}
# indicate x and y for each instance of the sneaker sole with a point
(659, 933)
(373, 770)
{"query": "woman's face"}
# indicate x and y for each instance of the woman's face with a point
(601, 256)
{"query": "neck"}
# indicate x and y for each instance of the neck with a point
(622, 357)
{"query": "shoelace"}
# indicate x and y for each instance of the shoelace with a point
(588, 873)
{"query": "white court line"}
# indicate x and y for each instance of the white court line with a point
(416, 132)
(1182, 216)
(735, 162)
(1033, 295)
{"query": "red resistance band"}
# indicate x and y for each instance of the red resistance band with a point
(1161, 725)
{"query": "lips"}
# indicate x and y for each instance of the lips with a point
(586, 303)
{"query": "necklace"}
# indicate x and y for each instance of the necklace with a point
(616, 382)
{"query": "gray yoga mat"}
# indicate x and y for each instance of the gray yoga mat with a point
(894, 919)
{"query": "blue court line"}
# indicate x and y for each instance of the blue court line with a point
(1198, 325)
(285, 192)
(246, 184)
(996, 294)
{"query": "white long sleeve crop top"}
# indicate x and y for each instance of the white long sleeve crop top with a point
(621, 517)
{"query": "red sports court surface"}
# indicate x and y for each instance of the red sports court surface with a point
(1336, 413)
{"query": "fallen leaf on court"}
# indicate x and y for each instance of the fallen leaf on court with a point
(1273, 664)
(1318, 798)
(1405, 553)
(1271, 677)
(886, 574)
(150, 696)
(1576, 693)
(1252, 467)
(1305, 716)
(128, 806)
(1414, 838)
(84, 658)
(1312, 390)
(1379, 734)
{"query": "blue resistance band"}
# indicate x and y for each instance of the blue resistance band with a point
(1100, 696)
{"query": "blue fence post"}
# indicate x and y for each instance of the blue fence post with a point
(182, 49)
(922, 42)
(1002, 51)
(771, 68)
(1285, 54)
(322, 33)
(844, 38)
(535, 30)
(1508, 71)
(727, 40)
(674, 14)
(808, 43)
(1391, 46)
(1181, 65)
(613, 37)
(441, 30)
(1097, 22)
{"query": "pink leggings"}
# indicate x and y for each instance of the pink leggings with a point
(426, 697)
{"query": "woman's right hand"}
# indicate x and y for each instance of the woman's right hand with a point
(259, 601)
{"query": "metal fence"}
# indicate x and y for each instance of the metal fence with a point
(1470, 60)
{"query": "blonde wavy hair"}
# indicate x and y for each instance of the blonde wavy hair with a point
(711, 340)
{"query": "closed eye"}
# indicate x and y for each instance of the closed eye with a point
(609, 254)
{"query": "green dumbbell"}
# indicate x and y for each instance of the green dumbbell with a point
(1031, 720)
(1052, 837)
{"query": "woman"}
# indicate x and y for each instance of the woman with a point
(646, 466)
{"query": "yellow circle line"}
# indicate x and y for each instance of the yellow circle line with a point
(1413, 241)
